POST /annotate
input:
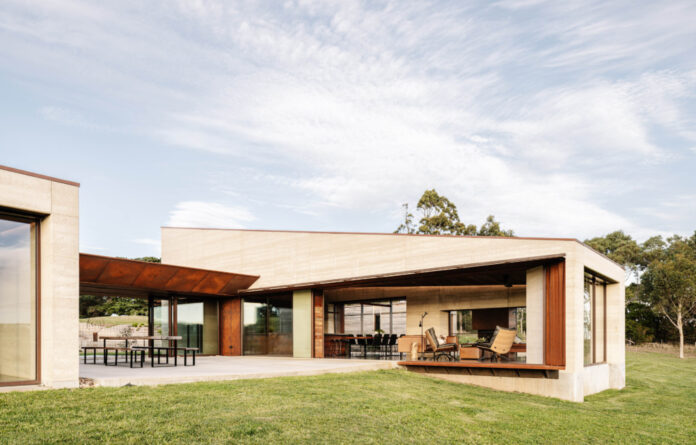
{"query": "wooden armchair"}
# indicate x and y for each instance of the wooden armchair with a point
(500, 343)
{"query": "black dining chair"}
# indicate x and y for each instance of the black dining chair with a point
(392, 343)
(368, 343)
(362, 342)
(385, 343)
(377, 343)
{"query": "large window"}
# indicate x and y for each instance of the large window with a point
(268, 326)
(197, 324)
(388, 317)
(594, 320)
(18, 299)
(472, 325)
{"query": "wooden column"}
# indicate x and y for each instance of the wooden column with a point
(230, 326)
(317, 323)
(554, 328)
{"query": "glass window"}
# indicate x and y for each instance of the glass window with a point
(160, 320)
(599, 322)
(388, 317)
(520, 317)
(197, 324)
(268, 327)
(587, 322)
(594, 320)
(18, 298)
(461, 325)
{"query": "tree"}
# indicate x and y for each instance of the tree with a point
(621, 248)
(439, 216)
(492, 228)
(669, 284)
(407, 225)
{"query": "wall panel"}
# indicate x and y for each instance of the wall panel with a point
(554, 327)
(230, 326)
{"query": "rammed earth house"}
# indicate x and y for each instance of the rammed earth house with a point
(302, 294)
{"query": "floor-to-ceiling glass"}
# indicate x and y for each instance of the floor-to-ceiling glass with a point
(160, 319)
(18, 299)
(197, 324)
(189, 323)
(267, 326)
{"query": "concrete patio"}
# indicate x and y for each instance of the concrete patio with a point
(225, 368)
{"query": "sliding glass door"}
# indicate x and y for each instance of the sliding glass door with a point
(194, 320)
(268, 326)
(197, 324)
(18, 299)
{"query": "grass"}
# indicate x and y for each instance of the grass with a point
(657, 406)
(114, 321)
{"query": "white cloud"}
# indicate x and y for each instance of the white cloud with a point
(209, 214)
(534, 112)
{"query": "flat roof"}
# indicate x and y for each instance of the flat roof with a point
(102, 275)
(319, 232)
(37, 175)
(511, 271)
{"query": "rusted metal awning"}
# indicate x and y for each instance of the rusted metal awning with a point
(101, 275)
(506, 272)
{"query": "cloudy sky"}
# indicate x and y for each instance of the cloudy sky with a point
(561, 118)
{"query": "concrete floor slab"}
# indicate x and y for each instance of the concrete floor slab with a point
(225, 368)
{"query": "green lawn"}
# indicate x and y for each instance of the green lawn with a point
(114, 321)
(658, 406)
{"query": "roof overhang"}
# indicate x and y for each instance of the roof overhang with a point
(110, 276)
(506, 272)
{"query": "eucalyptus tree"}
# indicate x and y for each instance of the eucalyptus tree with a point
(669, 283)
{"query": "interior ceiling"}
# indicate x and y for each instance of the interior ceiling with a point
(507, 276)
(508, 272)
(110, 276)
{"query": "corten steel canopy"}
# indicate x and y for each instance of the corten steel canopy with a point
(100, 275)
(506, 272)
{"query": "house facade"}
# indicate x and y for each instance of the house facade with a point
(571, 297)
(310, 294)
(39, 280)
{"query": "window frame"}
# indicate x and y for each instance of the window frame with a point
(596, 281)
(35, 222)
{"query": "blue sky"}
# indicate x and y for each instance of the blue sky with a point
(561, 118)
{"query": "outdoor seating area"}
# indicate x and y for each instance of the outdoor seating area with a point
(134, 353)
(501, 346)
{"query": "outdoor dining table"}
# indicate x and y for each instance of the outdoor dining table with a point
(150, 348)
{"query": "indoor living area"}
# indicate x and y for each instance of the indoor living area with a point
(506, 314)
(430, 322)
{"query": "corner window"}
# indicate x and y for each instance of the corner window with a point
(594, 320)
(18, 299)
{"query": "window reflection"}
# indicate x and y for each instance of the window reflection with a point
(18, 265)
